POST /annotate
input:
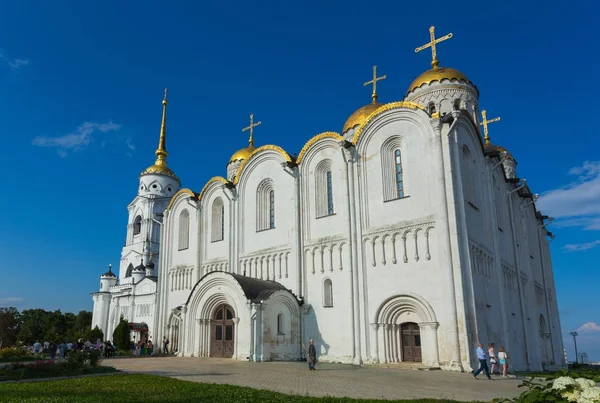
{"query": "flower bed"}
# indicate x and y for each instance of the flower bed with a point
(16, 354)
(77, 363)
(564, 387)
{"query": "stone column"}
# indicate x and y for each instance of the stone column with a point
(236, 322)
(429, 343)
(374, 353)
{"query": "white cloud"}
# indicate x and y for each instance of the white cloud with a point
(16, 64)
(10, 300)
(77, 140)
(576, 204)
(581, 246)
(129, 143)
(589, 327)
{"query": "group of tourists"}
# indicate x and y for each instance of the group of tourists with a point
(499, 361)
(63, 349)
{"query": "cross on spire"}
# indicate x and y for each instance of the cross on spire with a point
(251, 128)
(374, 82)
(431, 44)
(485, 124)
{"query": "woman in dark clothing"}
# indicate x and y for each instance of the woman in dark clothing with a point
(311, 357)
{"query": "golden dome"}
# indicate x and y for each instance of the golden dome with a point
(159, 169)
(242, 154)
(438, 74)
(360, 115)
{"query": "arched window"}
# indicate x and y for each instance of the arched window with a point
(184, 230)
(324, 189)
(280, 327)
(457, 104)
(327, 293)
(129, 270)
(265, 206)
(217, 229)
(468, 174)
(392, 169)
(431, 108)
(137, 225)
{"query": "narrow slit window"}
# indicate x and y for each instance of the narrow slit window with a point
(272, 209)
(399, 179)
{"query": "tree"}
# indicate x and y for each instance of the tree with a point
(122, 335)
(9, 326)
(83, 322)
(33, 326)
(96, 334)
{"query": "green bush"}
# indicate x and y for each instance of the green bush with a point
(47, 369)
(122, 335)
(96, 334)
(560, 387)
(13, 354)
(82, 358)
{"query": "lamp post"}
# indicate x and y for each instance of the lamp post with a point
(574, 334)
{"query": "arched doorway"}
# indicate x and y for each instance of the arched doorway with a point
(221, 343)
(411, 342)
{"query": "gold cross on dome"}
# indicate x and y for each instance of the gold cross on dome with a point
(431, 44)
(251, 128)
(374, 82)
(485, 124)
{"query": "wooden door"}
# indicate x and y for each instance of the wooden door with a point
(222, 332)
(411, 342)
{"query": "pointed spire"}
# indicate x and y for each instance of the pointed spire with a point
(161, 151)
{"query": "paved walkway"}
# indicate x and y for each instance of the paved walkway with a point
(328, 380)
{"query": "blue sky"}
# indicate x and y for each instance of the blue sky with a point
(82, 82)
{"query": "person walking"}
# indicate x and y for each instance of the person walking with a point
(165, 345)
(503, 361)
(37, 347)
(493, 359)
(482, 363)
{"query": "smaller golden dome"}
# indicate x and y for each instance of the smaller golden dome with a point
(360, 115)
(438, 74)
(242, 154)
(159, 169)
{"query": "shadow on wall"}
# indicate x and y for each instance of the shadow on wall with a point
(312, 331)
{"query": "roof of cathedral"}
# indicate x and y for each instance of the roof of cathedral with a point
(109, 273)
(141, 267)
(493, 150)
(243, 153)
(438, 74)
(257, 290)
(360, 115)
(160, 165)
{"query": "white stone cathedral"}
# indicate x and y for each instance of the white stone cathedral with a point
(408, 237)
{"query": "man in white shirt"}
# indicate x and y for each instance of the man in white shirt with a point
(482, 362)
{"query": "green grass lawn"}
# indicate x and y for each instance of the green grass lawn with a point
(150, 388)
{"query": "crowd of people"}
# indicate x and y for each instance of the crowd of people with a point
(62, 350)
